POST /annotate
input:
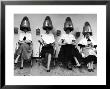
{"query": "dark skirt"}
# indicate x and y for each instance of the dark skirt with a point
(67, 54)
(90, 58)
(47, 49)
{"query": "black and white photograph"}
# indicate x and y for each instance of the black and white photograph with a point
(55, 44)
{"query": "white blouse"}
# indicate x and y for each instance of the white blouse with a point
(48, 38)
(68, 38)
(84, 41)
(27, 35)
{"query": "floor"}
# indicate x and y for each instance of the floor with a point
(40, 70)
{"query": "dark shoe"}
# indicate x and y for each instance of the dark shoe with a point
(21, 67)
(15, 63)
(78, 66)
(92, 70)
(70, 68)
(48, 70)
(89, 70)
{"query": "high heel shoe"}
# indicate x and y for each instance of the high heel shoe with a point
(15, 63)
(89, 70)
(70, 68)
(92, 70)
(21, 67)
(48, 70)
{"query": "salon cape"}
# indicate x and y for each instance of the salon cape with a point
(27, 35)
(86, 50)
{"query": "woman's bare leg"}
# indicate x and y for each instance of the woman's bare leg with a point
(16, 60)
(21, 63)
(49, 60)
(92, 66)
(77, 62)
(89, 67)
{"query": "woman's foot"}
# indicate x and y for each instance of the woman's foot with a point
(21, 67)
(48, 70)
(92, 70)
(78, 66)
(89, 70)
(70, 68)
(15, 63)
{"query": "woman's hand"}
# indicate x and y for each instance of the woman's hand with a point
(21, 42)
(53, 44)
(73, 42)
(42, 42)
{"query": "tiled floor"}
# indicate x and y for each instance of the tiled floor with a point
(40, 70)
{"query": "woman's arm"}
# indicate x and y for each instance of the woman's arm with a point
(41, 41)
(62, 42)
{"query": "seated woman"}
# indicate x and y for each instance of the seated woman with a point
(88, 47)
(68, 50)
(25, 42)
(48, 41)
